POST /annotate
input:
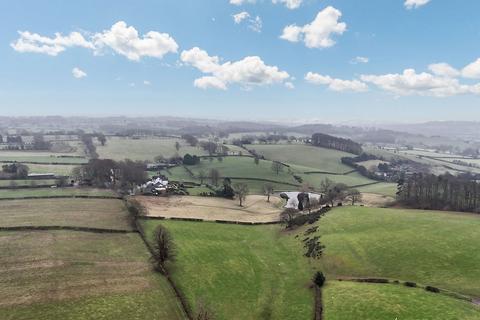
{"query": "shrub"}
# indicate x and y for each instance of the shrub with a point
(432, 289)
(319, 279)
(410, 284)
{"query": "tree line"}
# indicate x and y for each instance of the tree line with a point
(443, 192)
(331, 142)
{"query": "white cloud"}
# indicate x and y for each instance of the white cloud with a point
(472, 70)
(239, 17)
(121, 38)
(33, 42)
(425, 84)
(124, 40)
(240, 2)
(336, 84)
(318, 33)
(443, 70)
(413, 4)
(78, 73)
(290, 4)
(255, 24)
(248, 72)
(359, 59)
(289, 85)
(146, 82)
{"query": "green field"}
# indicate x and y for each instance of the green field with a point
(77, 275)
(57, 169)
(27, 182)
(118, 148)
(95, 213)
(47, 159)
(315, 158)
(383, 188)
(429, 247)
(229, 267)
(349, 300)
(47, 192)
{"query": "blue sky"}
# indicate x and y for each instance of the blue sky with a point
(200, 63)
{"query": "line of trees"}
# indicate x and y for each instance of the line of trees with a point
(331, 142)
(444, 192)
(90, 149)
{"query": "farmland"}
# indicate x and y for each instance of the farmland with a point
(54, 192)
(66, 275)
(349, 300)
(218, 264)
(316, 158)
(95, 213)
(118, 148)
(71, 274)
(27, 182)
(255, 208)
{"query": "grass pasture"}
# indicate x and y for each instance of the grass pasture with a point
(27, 182)
(57, 169)
(350, 300)
(119, 148)
(48, 192)
(78, 275)
(381, 188)
(95, 213)
(315, 158)
(429, 247)
(230, 267)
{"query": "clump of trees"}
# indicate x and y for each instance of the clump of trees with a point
(190, 139)
(39, 143)
(331, 142)
(332, 192)
(105, 173)
(90, 149)
(443, 192)
(190, 160)
(15, 171)
(163, 249)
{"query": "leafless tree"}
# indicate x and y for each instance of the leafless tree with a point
(268, 190)
(241, 191)
(163, 249)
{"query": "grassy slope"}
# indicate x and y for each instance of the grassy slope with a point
(383, 188)
(429, 247)
(231, 267)
(320, 159)
(45, 192)
(144, 149)
(95, 213)
(77, 275)
(348, 300)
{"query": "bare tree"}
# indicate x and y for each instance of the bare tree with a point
(202, 176)
(177, 146)
(256, 160)
(163, 249)
(214, 176)
(354, 196)
(277, 167)
(241, 190)
(268, 190)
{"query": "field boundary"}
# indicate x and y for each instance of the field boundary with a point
(331, 173)
(62, 197)
(66, 228)
(215, 221)
(46, 163)
(411, 284)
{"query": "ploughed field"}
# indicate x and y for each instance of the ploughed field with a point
(255, 208)
(63, 274)
(227, 267)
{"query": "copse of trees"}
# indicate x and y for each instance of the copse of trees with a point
(190, 160)
(190, 139)
(331, 142)
(105, 173)
(15, 171)
(443, 192)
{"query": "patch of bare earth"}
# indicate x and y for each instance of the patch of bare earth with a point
(376, 200)
(46, 266)
(255, 209)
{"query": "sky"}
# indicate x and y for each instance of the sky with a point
(285, 60)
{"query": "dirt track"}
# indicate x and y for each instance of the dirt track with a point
(255, 209)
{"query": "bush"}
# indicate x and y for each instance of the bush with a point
(410, 284)
(319, 279)
(432, 289)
